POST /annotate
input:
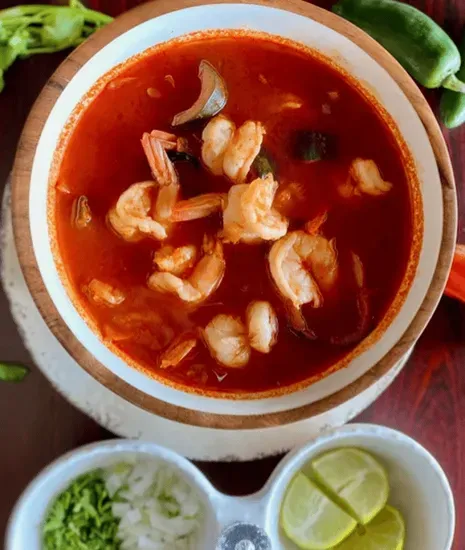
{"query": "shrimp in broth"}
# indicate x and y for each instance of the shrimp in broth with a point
(249, 248)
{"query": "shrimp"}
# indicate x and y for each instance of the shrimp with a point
(262, 326)
(198, 207)
(230, 151)
(177, 351)
(204, 279)
(175, 260)
(301, 265)
(130, 216)
(242, 150)
(227, 340)
(258, 212)
(234, 224)
(365, 177)
(216, 138)
(155, 145)
(104, 294)
(249, 215)
(146, 327)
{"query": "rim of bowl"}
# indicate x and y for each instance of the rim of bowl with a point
(227, 421)
(292, 463)
(413, 182)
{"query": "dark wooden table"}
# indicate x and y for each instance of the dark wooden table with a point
(427, 401)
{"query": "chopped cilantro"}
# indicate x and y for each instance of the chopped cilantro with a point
(81, 517)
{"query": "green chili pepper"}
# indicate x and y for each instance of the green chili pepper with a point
(264, 164)
(452, 105)
(415, 40)
(12, 373)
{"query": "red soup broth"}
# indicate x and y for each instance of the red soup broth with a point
(102, 156)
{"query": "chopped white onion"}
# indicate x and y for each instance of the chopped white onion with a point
(157, 509)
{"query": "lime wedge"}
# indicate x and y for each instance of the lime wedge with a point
(355, 480)
(385, 532)
(310, 519)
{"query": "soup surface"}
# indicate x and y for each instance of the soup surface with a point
(342, 183)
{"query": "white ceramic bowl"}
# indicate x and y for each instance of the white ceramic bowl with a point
(288, 25)
(419, 488)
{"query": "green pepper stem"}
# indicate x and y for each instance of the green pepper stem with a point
(454, 84)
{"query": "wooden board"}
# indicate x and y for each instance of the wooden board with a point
(21, 182)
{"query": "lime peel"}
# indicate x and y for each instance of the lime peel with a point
(355, 480)
(310, 519)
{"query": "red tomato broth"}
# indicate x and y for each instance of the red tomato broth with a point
(103, 157)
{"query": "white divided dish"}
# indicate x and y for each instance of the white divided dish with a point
(419, 489)
(288, 25)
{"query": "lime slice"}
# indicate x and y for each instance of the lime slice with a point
(310, 519)
(385, 532)
(355, 480)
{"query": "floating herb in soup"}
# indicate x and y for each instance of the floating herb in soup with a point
(255, 244)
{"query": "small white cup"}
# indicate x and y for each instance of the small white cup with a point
(419, 488)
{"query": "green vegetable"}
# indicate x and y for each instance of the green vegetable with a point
(12, 373)
(263, 164)
(28, 30)
(414, 39)
(452, 104)
(81, 518)
(312, 146)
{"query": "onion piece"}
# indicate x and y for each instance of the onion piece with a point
(213, 96)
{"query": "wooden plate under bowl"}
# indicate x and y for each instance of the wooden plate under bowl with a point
(20, 211)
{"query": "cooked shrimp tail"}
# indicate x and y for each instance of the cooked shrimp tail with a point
(163, 171)
(162, 168)
(177, 351)
(168, 141)
(198, 207)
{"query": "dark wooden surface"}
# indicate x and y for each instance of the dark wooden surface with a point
(427, 401)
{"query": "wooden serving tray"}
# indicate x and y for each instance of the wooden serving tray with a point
(20, 211)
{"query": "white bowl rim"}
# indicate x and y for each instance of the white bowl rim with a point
(280, 478)
(334, 382)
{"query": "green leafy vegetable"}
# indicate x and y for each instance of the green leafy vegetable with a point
(62, 28)
(81, 518)
(29, 30)
(13, 373)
